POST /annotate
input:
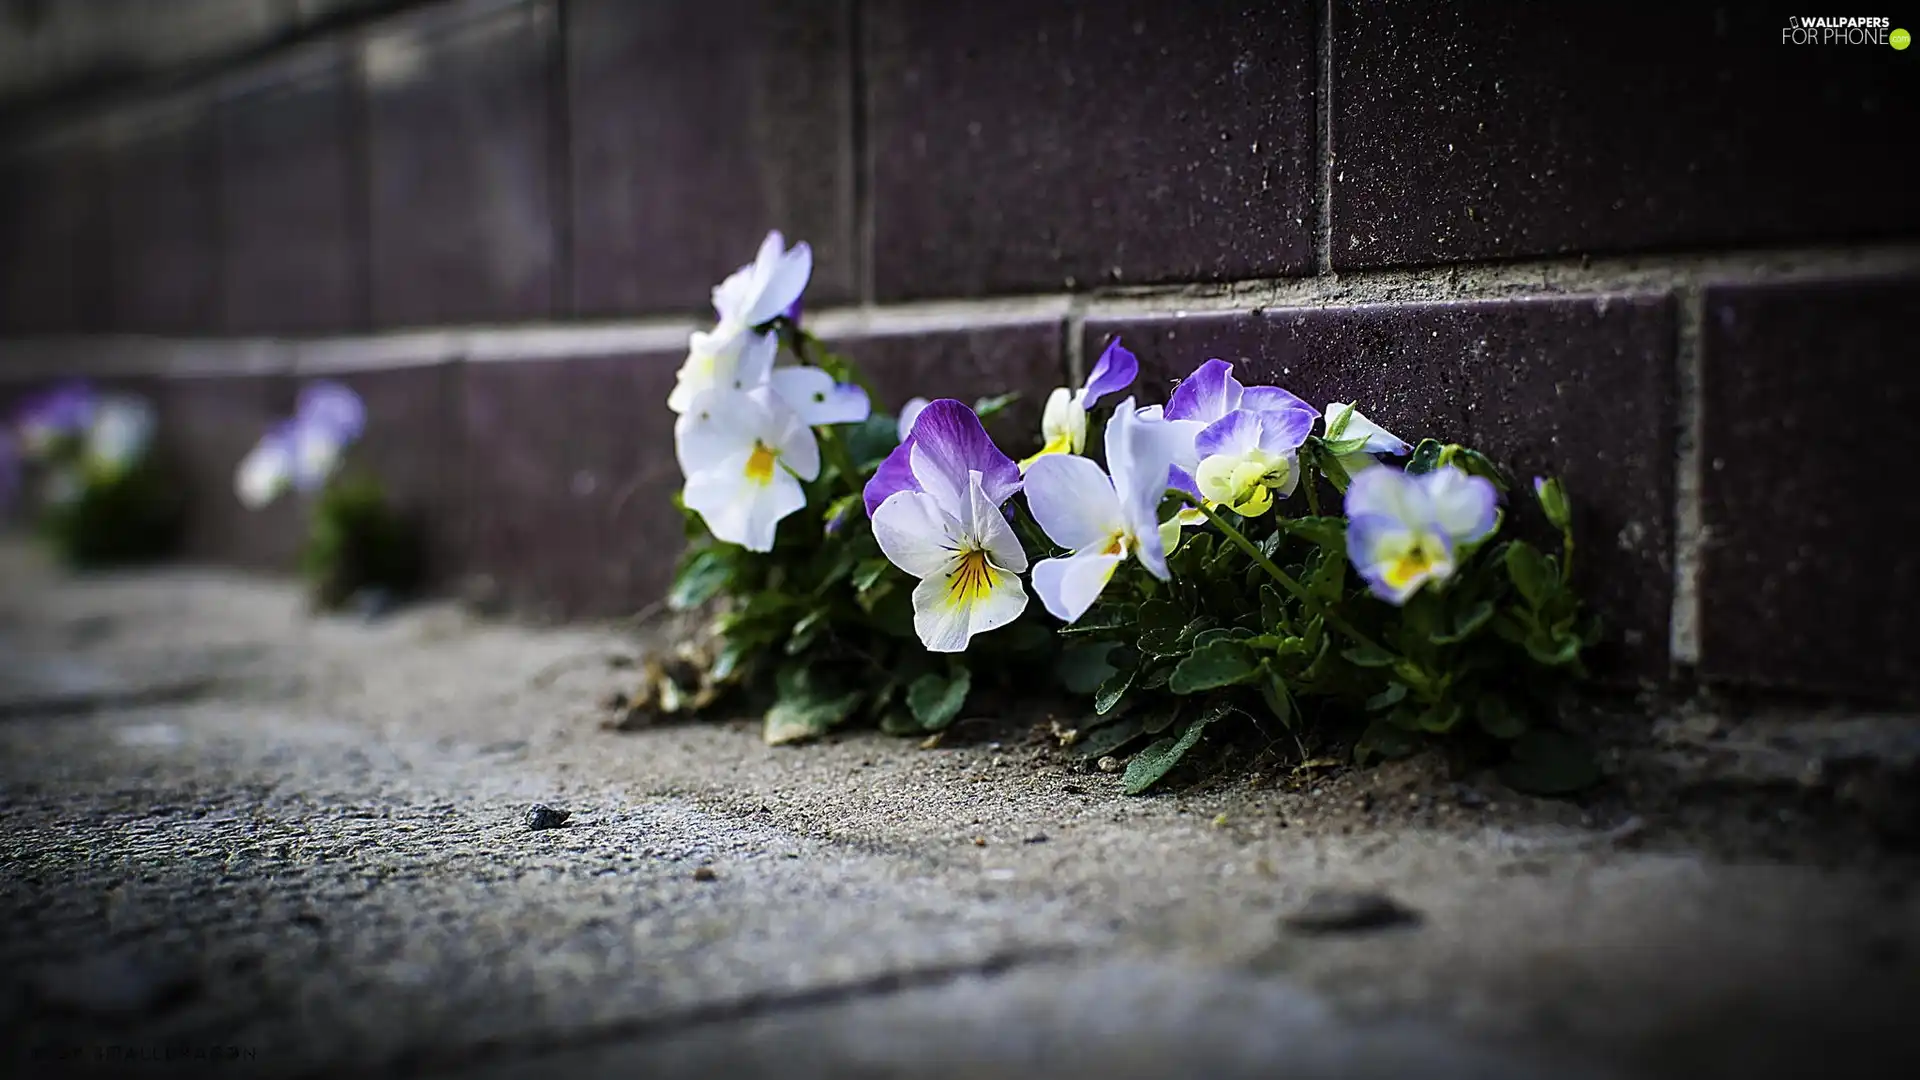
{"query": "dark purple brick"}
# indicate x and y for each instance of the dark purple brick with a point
(1046, 143)
(207, 425)
(1808, 577)
(413, 445)
(461, 152)
(1580, 387)
(968, 365)
(570, 475)
(1468, 131)
(162, 225)
(291, 232)
(53, 236)
(696, 126)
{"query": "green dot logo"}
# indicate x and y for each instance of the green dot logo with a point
(1900, 39)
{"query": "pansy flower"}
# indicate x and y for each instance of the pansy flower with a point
(738, 354)
(938, 517)
(1376, 439)
(64, 412)
(1102, 518)
(1406, 530)
(121, 430)
(303, 452)
(745, 454)
(1248, 456)
(1063, 423)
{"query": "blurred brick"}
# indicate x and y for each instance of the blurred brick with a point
(292, 240)
(1808, 577)
(53, 235)
(1579, 387)
(569, 479)
(162, 223)
(1042, 144)
(1468, 131)
(207, 425)
(968, 364)
(696, 126)
(461, 149)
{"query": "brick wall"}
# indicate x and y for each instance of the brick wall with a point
(1671, 259)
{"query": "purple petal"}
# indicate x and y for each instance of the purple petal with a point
(1114, 371)
(1273, 399)
(1285, 429)
(1178, 477)
(66, 409)
(895, 474)
(948, 443)
(332, 408)
(1235, 433)
(794, 309)
(1208, 394)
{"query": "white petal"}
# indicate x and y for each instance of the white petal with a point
(790, 435)
(754, 363)
(990, 529)
(1057, 418)
(818, 399)
(908, 414)
(1464, 505)
(946, 625)
(1140, 454)
(1073, 501)
(263, 474)
(717, 424)
(1068, 587)
(785, 280)
(739, 510)
(915, 534)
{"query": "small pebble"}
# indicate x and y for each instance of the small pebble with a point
(1036, 838)
(704, 873)
(979, 841)
(1343, 911)
(1109, 764)
(542, 816)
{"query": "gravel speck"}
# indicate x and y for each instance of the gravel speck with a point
(542, 816)
(1342, 911)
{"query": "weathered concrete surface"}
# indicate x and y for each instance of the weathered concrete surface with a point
(225, 824)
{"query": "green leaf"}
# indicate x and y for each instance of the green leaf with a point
(1149, 765)
(1220, 663)
(869, 573)
(1273, 691)
(1553, 502)
(1499, 719)
(1426, 457)
(936, 699)
(700, 579)
(1112, 690)
(1385, 739)
(1465, 624)
(802, 710)
(1554, 651)
(1550, 762)
(1329, 576)
(1160, 615)
(1327, 533)
(806, 630)
(1388, 698)
(1369, 656)
(1339, 447)
(1273, 610)
(1441, 717)
(1082, 668)
(1532, 573)
(988, 406)
(1105, 740)
(1337, 422)
(1477, 463)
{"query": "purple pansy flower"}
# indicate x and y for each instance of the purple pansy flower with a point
(946, 443)
(62, 412)
(1063, 423)
(1404, 530)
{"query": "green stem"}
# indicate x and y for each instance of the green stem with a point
(836, 454)
(1566, 556)
(1312, 483)
(1299, 591)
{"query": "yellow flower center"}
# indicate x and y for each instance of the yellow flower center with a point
(1116, 545)
(1421, 554)
(760, 463)
(971, 579)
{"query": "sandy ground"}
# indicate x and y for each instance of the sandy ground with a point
(232, 831)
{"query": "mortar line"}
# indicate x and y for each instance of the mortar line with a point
(26, 359)
(1689, 527)
(1323, 142)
